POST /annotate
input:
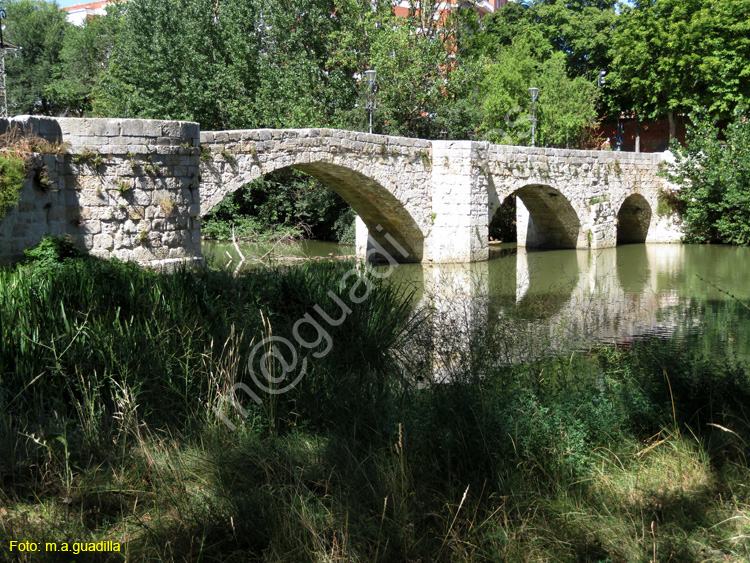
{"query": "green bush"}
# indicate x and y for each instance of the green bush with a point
(12, 177)
(713, 172)
(272, 205)
(52, 250)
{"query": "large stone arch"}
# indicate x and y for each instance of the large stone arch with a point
(545, 218)
(386, 218)
(633, 220)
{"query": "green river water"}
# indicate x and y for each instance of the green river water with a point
(574, 298)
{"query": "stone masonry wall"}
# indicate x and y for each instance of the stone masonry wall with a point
(387, 180)
(593, 184)
(126, 189)
(136, 189)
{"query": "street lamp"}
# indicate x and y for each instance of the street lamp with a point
(370, 74)
(534, 94)
(620, 130)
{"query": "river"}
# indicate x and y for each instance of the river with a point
(573, 298)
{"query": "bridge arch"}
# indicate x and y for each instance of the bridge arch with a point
(386, 218)
(633, 220)
(545, 218)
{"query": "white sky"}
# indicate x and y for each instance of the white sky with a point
(68, 3)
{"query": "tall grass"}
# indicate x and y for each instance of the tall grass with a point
(110, 373)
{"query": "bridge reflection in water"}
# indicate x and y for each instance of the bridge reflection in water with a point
(531, 303)
(545, 302)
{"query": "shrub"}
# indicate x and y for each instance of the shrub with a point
(280, 201)
(12, 176)
(714, 176)
(52, 250)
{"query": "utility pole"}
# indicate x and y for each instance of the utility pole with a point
(3, 48)
(3, 95)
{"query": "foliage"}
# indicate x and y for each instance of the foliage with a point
(38, 27)
(111, 374)
(86, 52)
(714, 176)
(150, 332)
(580, 30)
(17, 160)
(246, 228)
(237, 66)
(425, 87)
(278, 202)
(681, 55)
(502, 226)
(12, 177)
(52, 250)
(565, 108)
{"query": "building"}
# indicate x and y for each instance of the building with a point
(484, 7)
(78, 15)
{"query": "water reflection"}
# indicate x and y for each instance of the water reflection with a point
(574, 298)
(549, 301)
(223, 253)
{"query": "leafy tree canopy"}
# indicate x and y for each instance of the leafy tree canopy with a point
(680, 55)
(39, 28)
(565, 109)
(714, 175)
(581, 30)
(86, 52)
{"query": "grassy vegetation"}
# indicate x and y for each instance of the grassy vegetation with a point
(17, 158)
(247, 229)
(12, 177)
(110, 373)
(283, 202)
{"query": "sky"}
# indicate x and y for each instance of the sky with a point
(67, 3)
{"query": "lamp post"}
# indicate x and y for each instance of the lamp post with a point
(534, 91)
(620, 130)
(370, 74)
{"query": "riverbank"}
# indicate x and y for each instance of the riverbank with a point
(108, 432)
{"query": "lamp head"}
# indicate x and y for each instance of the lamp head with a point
(534, 91)
(370, 74)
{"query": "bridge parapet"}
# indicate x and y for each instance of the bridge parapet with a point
(127, 189)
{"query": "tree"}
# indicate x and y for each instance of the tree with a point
(566, 107)
(673, 56)
(579, 29)
(39, 28)
(86, 51)
(172, 61)
(714, 179)
(425, 86)
(233, 64)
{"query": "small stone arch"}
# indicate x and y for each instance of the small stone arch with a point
(547, 217)
(633, 220)
(386, 218)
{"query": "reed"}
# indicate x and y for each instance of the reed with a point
(110, 374)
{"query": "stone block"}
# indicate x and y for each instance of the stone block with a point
(91, 227)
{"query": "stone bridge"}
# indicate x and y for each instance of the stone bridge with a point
(136, 189)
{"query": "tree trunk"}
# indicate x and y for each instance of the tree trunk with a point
(672, 125)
